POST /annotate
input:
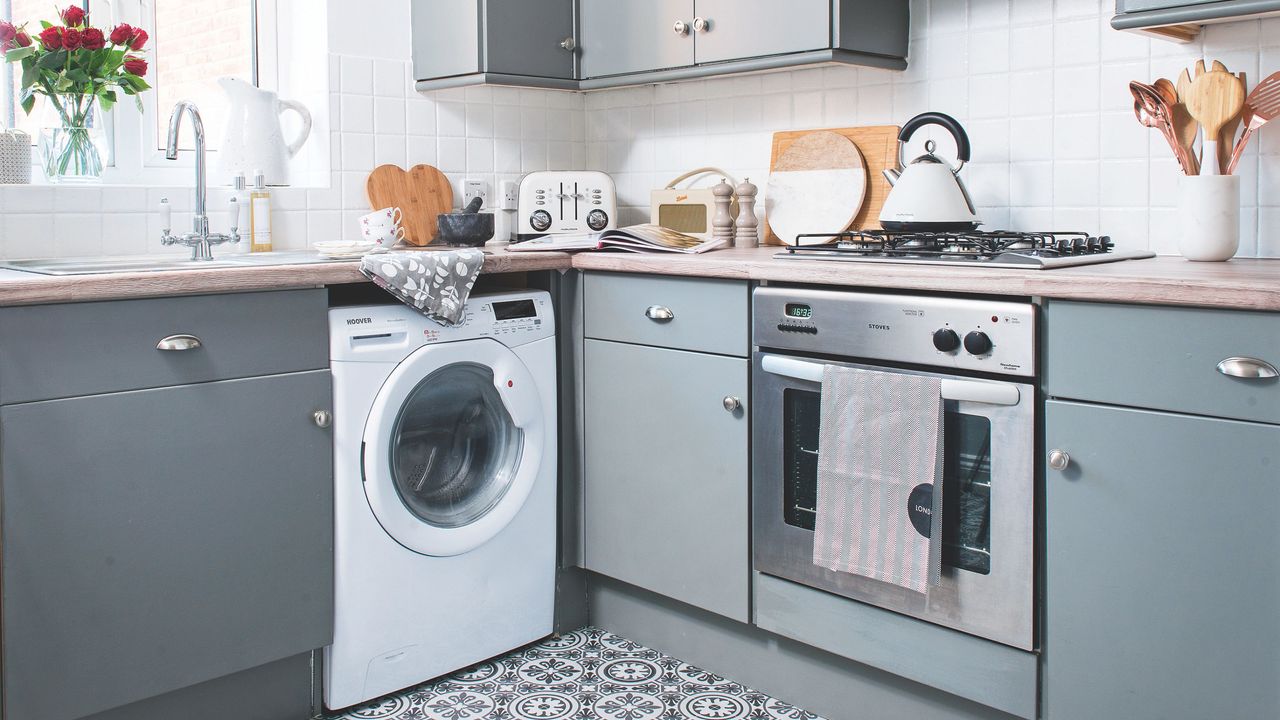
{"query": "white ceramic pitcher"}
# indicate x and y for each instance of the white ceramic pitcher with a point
(254, 138)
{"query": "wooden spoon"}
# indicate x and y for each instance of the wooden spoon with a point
(1216, 99)
(1228, 137)
(1184, 128)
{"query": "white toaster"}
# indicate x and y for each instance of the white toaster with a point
(562, 202)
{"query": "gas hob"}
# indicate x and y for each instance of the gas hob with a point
(1005, 249)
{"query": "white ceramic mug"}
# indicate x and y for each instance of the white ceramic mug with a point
(384, 235)
(1208, 217)
(382, 218)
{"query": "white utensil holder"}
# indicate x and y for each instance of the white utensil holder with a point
(1208, 217)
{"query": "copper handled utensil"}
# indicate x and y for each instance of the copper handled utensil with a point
(1261, 107)
(1184, 127)
(1228, 136)
(1152, 111)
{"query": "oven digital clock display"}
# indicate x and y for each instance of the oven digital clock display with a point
(798, 310)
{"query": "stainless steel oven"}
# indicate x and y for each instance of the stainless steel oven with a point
(984, 353)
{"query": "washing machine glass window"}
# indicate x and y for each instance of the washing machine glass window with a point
(455, 449)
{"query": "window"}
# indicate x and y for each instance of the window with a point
(193, 42)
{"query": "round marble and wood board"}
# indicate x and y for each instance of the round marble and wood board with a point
(816, 186)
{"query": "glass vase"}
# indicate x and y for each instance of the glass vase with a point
(73, 142)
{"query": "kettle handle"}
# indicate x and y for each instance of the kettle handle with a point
(305, 132)
(946, 121)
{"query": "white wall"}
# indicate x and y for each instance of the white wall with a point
(1041, 87)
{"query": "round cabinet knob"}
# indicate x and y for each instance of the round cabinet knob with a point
(568, 44)
(946, 340)
(322, 418)
(732, 404)
(701, 24)
(680, 28)
(597, 219)
(1059, 459)
(977, 343)
(540, 220)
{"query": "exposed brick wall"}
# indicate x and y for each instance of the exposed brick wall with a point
(197, 42)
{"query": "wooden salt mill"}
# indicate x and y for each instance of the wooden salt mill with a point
(747, 233)
(722, 221)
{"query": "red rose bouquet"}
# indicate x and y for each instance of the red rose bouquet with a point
(78, 68)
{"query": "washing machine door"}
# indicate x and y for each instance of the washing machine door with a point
(453, 446)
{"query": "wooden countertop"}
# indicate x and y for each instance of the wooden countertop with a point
(1245, 284)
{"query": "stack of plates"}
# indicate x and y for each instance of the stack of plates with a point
(347, 249)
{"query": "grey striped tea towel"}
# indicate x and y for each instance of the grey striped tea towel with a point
(434, 282)
(880, 438)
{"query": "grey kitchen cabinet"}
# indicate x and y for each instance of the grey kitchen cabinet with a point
(627, 43)
(1161, 576)
(665, 474)
(1180, 20)
(510, 42)
(739, 29)
(621, 37)
(165, 513)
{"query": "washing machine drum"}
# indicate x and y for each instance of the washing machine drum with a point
(453, 446)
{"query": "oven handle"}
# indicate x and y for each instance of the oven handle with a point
(991, 393)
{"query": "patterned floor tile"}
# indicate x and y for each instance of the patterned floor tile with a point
(588, 674)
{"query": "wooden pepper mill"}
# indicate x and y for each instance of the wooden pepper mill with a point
(722, 221)
(746, 234)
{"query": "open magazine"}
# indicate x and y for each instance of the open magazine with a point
(634, 238)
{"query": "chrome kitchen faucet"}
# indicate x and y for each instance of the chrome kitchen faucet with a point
(200, 240)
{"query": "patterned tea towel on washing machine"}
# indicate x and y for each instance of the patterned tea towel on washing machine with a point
(436, 283)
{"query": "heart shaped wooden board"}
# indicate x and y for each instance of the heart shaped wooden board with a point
(421, 193)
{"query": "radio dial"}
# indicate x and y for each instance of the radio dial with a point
(597, 219)
(540, 220)
(946, 340)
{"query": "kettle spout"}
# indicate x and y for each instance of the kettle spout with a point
(892, 176)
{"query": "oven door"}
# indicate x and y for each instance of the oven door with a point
(988, 499)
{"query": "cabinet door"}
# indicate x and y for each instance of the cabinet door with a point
(160, 538)
(738, 29)
(1161, 575)
(666, 477)
(523, 38)
(624, 36)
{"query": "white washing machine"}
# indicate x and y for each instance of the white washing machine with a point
(445, 473)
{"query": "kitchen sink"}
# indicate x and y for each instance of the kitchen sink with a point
(162, 263)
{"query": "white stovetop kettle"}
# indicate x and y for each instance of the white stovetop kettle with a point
(928, 195)
(254, 138)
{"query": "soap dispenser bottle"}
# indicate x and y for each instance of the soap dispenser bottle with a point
(260, 213)
(240, 193)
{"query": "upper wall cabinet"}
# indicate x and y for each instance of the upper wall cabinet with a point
(502, 42)
(1180, 20)
(590, 44)
(624, 42)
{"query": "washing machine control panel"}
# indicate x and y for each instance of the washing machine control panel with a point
(385, 332)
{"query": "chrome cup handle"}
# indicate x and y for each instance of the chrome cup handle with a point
(176, 343)
(659, 313)
(1247, 367)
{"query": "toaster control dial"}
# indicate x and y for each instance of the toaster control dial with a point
(540, 220)
(597, 219)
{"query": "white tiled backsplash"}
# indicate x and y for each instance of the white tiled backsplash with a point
(1040, 85)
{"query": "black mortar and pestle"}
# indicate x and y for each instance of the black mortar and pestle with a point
(469, 228)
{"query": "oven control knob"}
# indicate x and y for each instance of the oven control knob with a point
(946, 340)
(977, 343)
(540, 220)
(597, 219)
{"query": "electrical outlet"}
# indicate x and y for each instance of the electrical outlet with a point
(473, 188)
(510, 199)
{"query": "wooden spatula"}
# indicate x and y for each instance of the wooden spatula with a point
(1228, 137)
(1262, 106)
(1190, 128)
(1216, 99)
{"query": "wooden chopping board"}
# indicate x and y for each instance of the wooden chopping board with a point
(878, 145)
(816, 185)
(421, 193)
